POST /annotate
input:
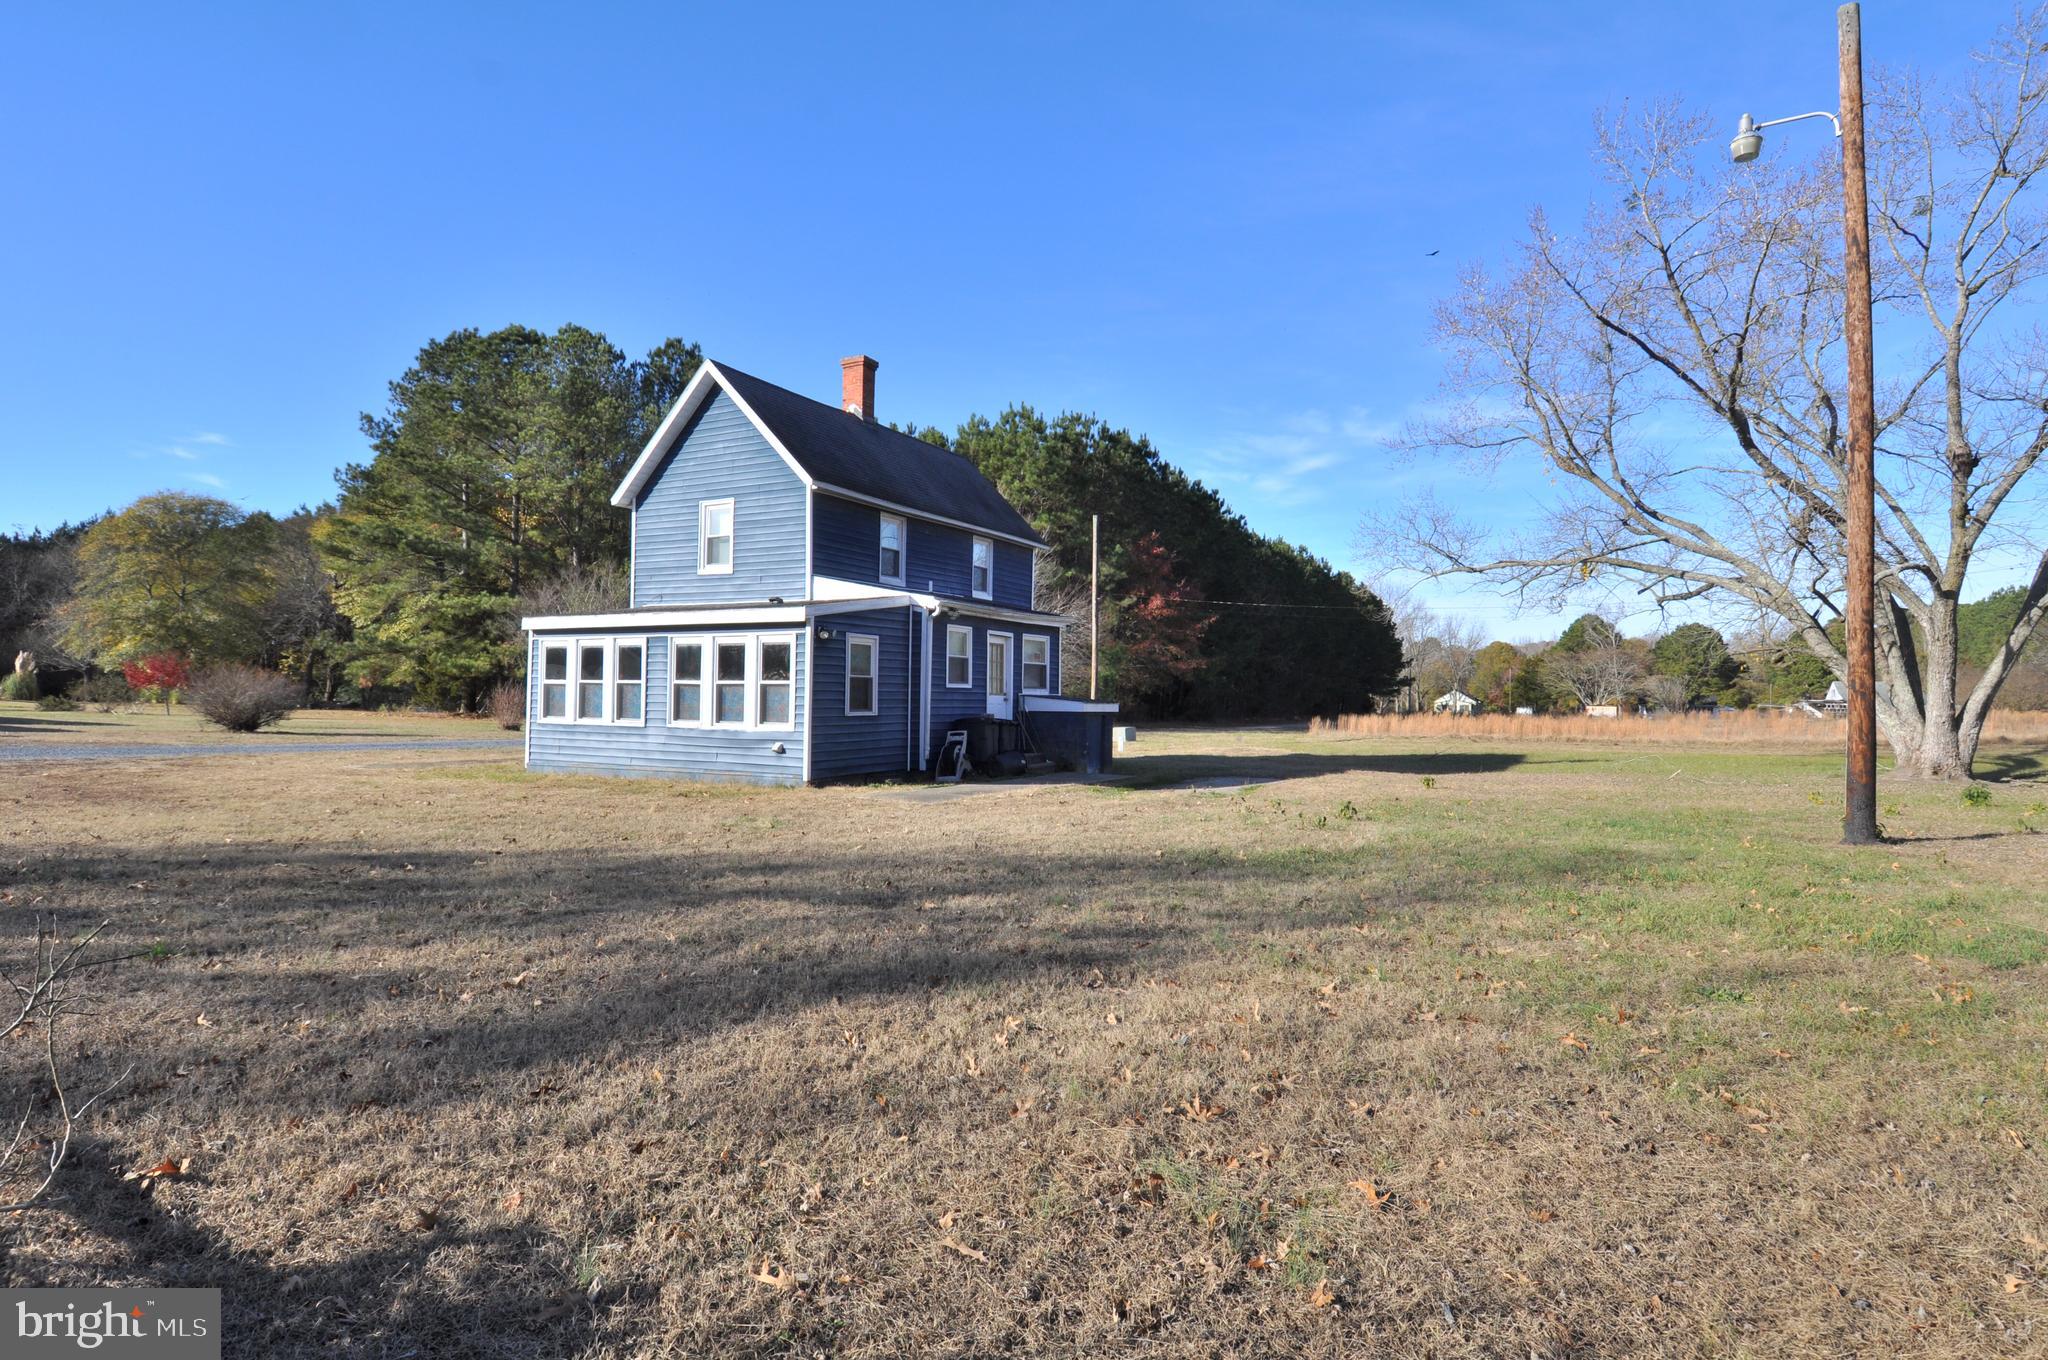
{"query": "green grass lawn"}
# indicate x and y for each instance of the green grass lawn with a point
(1405, 1048)
(149, 724)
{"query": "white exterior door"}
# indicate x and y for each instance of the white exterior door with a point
(1000, 704)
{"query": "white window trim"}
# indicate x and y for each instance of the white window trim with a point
(612, 681)
(902, 550)
(874, 676)
(951, 629)
(676, 645)
(577, 682)
(979, 544)
(567, 682)
(745, 641)
(754, 682)
(1024, 645)
(1009, 665)
(732, 537)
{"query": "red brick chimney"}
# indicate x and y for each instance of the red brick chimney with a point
(857, 385)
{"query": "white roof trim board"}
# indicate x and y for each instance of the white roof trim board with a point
(839, 601)
(696, 394)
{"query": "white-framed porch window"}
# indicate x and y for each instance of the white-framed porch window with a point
(894, 548)
(729, 658)
(629, 680)
(686, 682)
(862, 649)
(959, 656)
(714, 538)
(982, 572)
(1037, 655)
(775, 680)
(590, 679)
(554, 681)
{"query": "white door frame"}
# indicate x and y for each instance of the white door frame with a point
(1008, 706)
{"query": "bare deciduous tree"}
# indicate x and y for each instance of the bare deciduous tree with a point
(1678, 363)
(44, 998)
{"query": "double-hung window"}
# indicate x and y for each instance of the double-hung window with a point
(590, 681)
(714, 538)
(775, 683)
(629, 682)
(959, 656)
(861, 649)
(1037, 664)
(982, 580)
(894, 538)
(729, 689)
(554, 681)
(686, 686)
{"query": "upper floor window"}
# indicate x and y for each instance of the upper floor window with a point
(860, 675)
(893, 534)
(714, 538)
(982, 580)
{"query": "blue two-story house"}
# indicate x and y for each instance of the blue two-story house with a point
(814, 596)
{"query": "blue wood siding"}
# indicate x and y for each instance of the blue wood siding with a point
(843, 745)
(950, 706)
(847, 543)
(654, 747)
(720, 454)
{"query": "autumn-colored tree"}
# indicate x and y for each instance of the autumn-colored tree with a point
(1156, 628)
(160, 674)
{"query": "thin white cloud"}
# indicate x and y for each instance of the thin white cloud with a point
(207, 437)
(180, 451)
(207, 479)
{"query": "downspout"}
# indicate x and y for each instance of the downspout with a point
(924, 740)
(909, 690)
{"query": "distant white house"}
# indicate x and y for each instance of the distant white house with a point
(1457, 702)
(1603, 710)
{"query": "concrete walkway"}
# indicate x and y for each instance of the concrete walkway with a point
(257, 746)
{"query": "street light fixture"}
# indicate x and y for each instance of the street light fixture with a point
(1749, 134)
(1859, 822)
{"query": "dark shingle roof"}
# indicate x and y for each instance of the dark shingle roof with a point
(840, 449)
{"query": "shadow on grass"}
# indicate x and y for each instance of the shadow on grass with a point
(1164, 771)
(2012, 765)
(16, 726)
(475, 1296)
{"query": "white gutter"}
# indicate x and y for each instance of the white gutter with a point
(666, 618)
(924, 740)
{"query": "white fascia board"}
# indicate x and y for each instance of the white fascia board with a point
(1052, 703)
(981, 609)
(694, 395)
(895, 599)
(898, 507)
(664, 618)
(833, 588)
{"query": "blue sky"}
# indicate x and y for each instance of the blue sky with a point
(228, 227)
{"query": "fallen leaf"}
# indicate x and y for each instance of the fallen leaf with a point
(2014, 1284)
(774, 1276)
(969, 1252)
(1321, 1297)
(1570, 1040)
(512, 1201)
(1373, 1194)
(946, 1219)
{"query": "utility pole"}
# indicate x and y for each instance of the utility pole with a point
(1859, 821)
(1859, 510)
(1094, 591)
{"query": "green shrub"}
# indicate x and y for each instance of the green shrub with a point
(104, 692)
(56, 703)
(1976, 795)
(20, 685)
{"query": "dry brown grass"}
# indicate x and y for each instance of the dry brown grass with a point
(1767, 729)
(1559, 1053)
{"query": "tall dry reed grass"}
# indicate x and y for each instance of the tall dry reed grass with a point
(1734, 728)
